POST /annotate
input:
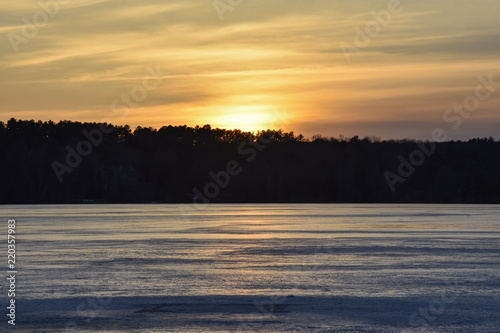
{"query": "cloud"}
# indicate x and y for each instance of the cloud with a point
(263, 55)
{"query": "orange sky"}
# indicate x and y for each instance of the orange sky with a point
(267, 64)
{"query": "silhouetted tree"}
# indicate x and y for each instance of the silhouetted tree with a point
(167, 164)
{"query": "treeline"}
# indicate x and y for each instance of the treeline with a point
(73, 162)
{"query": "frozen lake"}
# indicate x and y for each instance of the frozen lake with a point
(256, 268)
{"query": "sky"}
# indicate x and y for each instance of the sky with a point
(390, 69)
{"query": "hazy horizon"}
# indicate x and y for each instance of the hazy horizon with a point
(340, 137)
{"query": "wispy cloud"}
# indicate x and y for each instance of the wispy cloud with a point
(265, 54)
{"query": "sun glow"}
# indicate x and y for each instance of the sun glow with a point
(249, 118)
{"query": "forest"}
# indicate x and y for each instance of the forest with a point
(74, 162)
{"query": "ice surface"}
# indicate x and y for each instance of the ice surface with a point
(257, 268)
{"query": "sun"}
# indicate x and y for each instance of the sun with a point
(247, 118)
